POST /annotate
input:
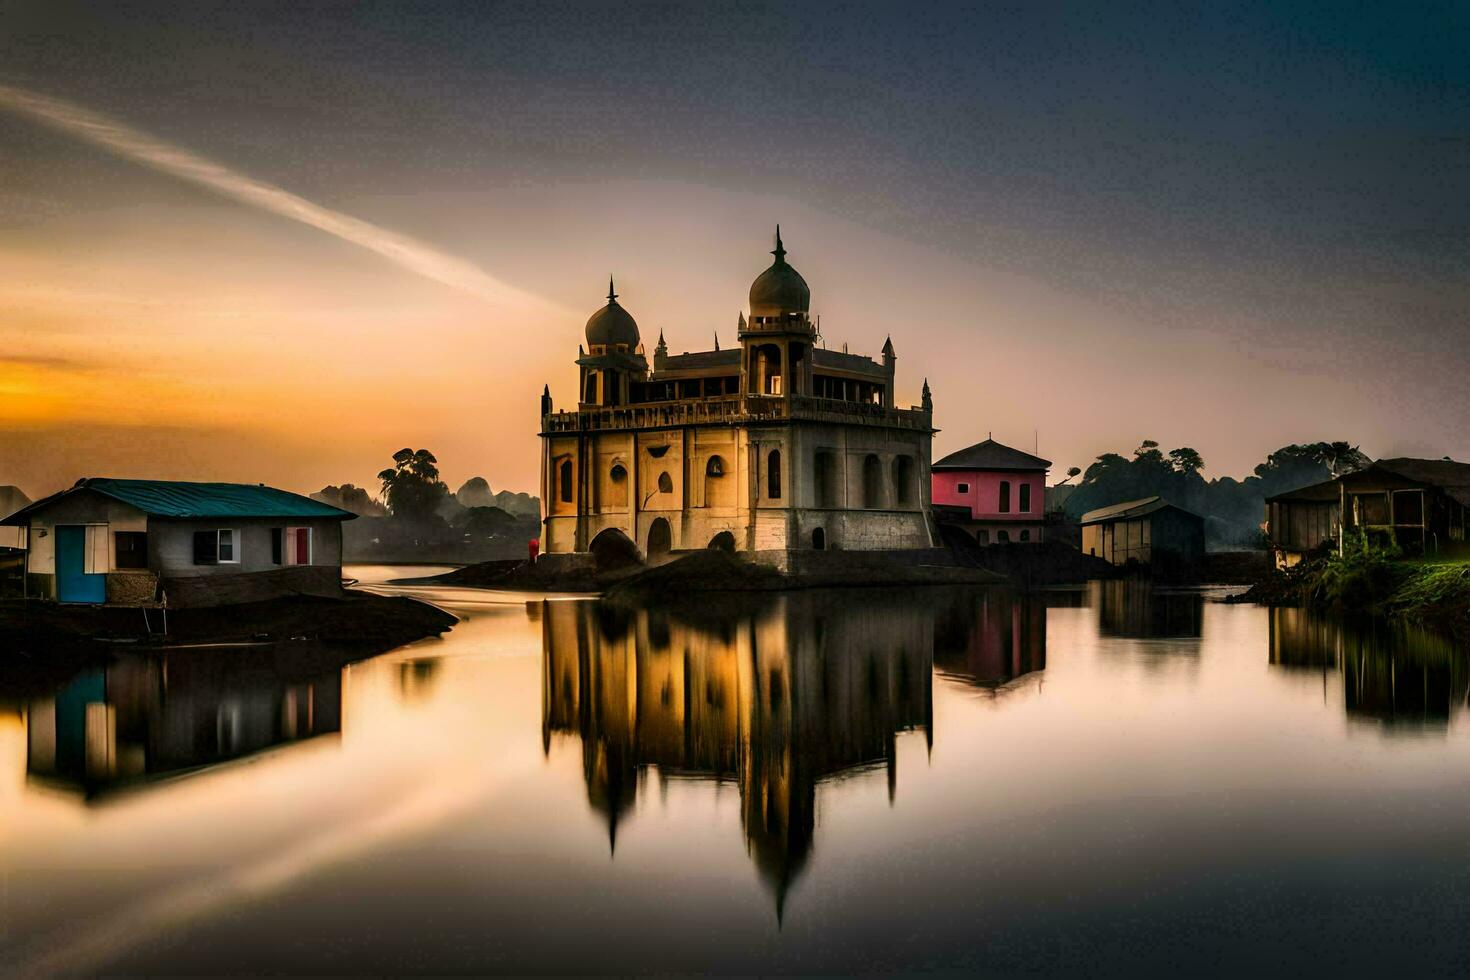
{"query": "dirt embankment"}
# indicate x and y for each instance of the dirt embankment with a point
(715, 571)
(43, 642)
(1433, 594)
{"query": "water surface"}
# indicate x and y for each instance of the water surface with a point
(1111, 780)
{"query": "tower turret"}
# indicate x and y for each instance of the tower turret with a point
(777, 340)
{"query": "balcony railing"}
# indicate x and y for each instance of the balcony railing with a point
(733, 409)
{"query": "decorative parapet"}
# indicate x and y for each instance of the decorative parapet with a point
(733, 410)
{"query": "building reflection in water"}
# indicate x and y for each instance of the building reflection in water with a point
(1136, 609)
(991, 638)
(1406, 678)
(143, 717)
(775, 701)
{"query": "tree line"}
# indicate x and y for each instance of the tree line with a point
(1233, 509)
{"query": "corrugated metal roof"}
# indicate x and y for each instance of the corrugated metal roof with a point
(991, 455)
(168, 498)
(1131, 509)
(1317, 492)
(1438, 472)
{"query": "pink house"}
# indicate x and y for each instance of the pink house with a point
(996, 493)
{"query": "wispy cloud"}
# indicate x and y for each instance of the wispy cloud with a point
(409, 253)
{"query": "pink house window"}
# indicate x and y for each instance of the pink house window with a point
(962, 488)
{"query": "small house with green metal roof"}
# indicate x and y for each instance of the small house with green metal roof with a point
(145, 542)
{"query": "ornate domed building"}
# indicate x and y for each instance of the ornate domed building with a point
(776, 446)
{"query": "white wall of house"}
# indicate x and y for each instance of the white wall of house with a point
(85, 508)
(171, 544)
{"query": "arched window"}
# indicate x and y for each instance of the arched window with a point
(715, 467)
(1025, 534)
(564, 481)
(1025, 498)
(1005, 496)
(1003, 537)
(982, 536)
(665, 483)
(773, 474)
(903, 481)
(819, 539)
(872, 482)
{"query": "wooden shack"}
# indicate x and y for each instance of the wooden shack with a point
(1422, 505)
(1302, 521)
(1142, 531)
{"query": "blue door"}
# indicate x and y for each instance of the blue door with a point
(73, 584)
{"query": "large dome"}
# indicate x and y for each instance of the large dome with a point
(612, 325)
(780, 289)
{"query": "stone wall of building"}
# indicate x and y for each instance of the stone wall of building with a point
(864, 486)
(133, 587)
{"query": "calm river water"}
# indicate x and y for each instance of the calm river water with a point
(1110, 780)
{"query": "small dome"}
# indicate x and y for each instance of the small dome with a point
(780, 289)
(612, 325)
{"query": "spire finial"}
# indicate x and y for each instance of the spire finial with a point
(780, 250)
(611, 295)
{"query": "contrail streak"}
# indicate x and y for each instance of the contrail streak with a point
(411, 254)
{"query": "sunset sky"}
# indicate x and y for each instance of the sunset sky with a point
(278, 242)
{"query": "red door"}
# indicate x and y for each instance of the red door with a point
(302, 545)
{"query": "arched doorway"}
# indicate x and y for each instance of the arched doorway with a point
(612, 549)
(724, 541)
(660, 538)
(819, 539)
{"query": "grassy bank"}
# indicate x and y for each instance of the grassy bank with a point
(1375, 580)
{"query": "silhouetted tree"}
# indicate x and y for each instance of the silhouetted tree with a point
(1186, 460)
(412, 486)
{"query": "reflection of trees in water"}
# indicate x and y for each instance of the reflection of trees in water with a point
(1404, 677)
(776, 700)
(990, 638)
(147, 716)
(1135, 609)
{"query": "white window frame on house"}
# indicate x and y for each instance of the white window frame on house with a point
(97, 550)
(234, 534)
(961, 488)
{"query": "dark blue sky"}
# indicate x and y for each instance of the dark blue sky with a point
(1301, 171)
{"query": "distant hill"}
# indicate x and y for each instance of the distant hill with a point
(476, 493)
(350, 498)
(12, 499)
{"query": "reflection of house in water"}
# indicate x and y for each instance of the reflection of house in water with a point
(1404, 677)
(1135, 609)
(147, 716)
(775, 702)
(990, 638)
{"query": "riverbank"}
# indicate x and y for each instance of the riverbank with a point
(1431, 594)
(713, 571)
(44, 641)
